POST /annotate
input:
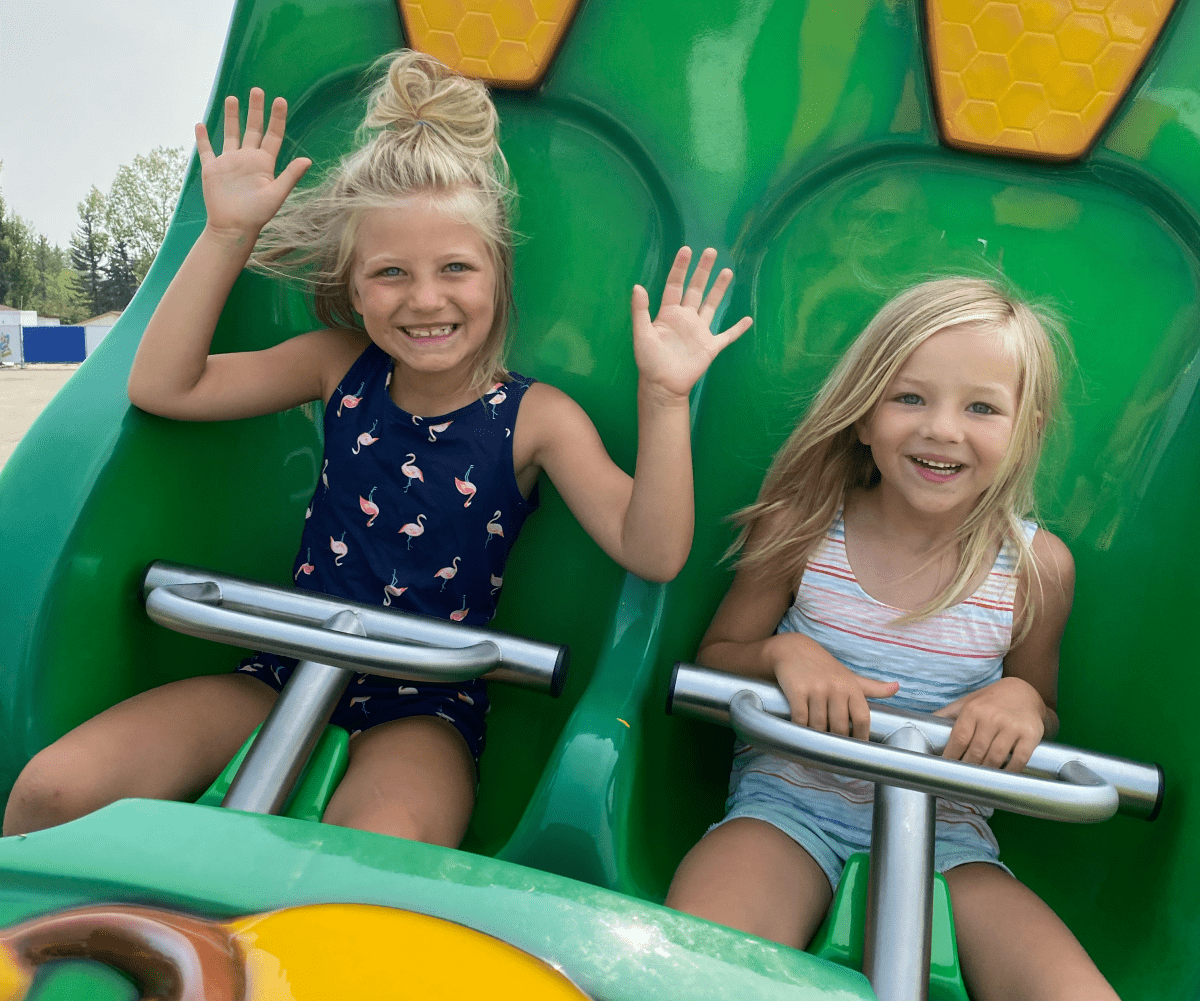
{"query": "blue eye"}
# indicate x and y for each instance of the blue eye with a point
(981, 408)
(457, 267)
(911, 399)
(392, 272)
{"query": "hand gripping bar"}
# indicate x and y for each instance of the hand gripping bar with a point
(1060, 782)
(394, 644)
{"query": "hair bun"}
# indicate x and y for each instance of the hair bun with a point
(421, 100)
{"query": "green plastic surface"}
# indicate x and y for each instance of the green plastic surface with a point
(840, 937)
(797, 139)
(318, 780)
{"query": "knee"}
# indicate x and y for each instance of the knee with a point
(48, 792)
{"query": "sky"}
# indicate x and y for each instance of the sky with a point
(87, 85)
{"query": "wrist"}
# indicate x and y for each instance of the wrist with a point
(234, 239)
(658, 397)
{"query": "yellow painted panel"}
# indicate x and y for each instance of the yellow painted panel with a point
(1036, 78)
(507, 43)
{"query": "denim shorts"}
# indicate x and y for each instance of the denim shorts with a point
(370, 700)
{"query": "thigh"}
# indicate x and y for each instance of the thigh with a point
(168, 743)
(1012, 945)
(749, 875)
(412, 778)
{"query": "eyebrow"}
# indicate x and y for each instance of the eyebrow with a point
(982, 388)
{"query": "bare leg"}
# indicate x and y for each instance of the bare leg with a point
(168, 743)
(412, 778)
(1012, 946)
(753, 877)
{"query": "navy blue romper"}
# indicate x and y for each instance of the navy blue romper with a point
(414, 513)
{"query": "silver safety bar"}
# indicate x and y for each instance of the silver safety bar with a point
(289, 621)
(703, 693)
(331, 638)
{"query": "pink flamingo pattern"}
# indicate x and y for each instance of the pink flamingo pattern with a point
(496, 400)
(461, 613)
(308, 512)
(360, 700)
(412, 471)
(407, 690)
(494, 528)
(306, 567)
(324, 475)
(392, 591)
(436, 429)
(369, 507)
(350, 401)
(365, 439)
(464, 697)
(465, 486)
(446, 573)
(497, 583)
(340, 548)
(413, 529)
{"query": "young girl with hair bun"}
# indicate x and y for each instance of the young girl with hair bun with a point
(888, 557)
(433, 448)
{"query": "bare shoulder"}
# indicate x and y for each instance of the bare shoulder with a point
(547, 417)
(332, 352)
(1054, 564)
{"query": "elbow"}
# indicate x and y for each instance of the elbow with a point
(665, 568)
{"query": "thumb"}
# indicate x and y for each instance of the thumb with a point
(873, 689)
(953, 709)
(640, 306)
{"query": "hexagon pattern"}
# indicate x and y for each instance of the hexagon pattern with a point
(508, 43)
(1036, 78)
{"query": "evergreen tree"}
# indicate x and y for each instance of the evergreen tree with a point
(88, 247)
(120, 281)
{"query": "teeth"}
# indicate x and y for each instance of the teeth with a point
(422, 332)
(939, 466)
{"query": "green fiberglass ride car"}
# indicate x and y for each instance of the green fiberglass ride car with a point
(832, 153)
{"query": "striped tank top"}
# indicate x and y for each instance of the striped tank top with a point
(936, 660)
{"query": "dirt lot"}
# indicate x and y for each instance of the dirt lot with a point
(23, 394)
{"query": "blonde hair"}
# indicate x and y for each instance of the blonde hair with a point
(823, 458)
(433, 136)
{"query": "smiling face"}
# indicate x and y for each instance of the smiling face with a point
(944, 423)
(425, 286)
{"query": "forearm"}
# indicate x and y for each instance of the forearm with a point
(172, 357)
(656, 533)
(758, 659)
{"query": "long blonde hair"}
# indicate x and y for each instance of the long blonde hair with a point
(823, 458)
(433, 136)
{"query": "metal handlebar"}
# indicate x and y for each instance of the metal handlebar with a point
(703, 693)
(393, 643)
(1079, 795)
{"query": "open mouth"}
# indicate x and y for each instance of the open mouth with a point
(430, 333)
(932, 469)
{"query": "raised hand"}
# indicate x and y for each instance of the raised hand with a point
(676, 348)
(1003, 722)
(241, 191)
(823, 693)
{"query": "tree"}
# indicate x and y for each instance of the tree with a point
(20, 267)
(120, 282)
(55, 290)
(88, 248)
(142, 200)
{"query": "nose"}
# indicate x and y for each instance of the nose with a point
(425, 294)
(942, 423)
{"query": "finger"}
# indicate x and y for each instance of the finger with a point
(981, 743)
(1001, 747)
(640, 307)
(231, 125)
(254, 119)
(274, 135)
(873, 689)
(1021, 754)
(292, 173)
(694, 295)
(673, 290)
(952, 710)
(960, 739)
(799, 711)
(203, 147)
(860, 716)
(839, 716)
(727, 337)
(715, 295)
(818, 717)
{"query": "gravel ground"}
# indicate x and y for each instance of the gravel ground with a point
(23, 394)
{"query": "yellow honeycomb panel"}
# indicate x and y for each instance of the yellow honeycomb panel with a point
(1036, 78)
(509, 43)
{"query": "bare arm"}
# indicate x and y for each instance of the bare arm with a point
(645, 523)
(1007, 720)
(173, 374)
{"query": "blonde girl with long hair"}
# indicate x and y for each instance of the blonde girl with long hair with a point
(433, 448)
(888, 556)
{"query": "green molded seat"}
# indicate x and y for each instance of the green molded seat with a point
(320, 777)
(840, 937)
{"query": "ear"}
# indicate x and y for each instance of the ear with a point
(355, 298)
(862, 428)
